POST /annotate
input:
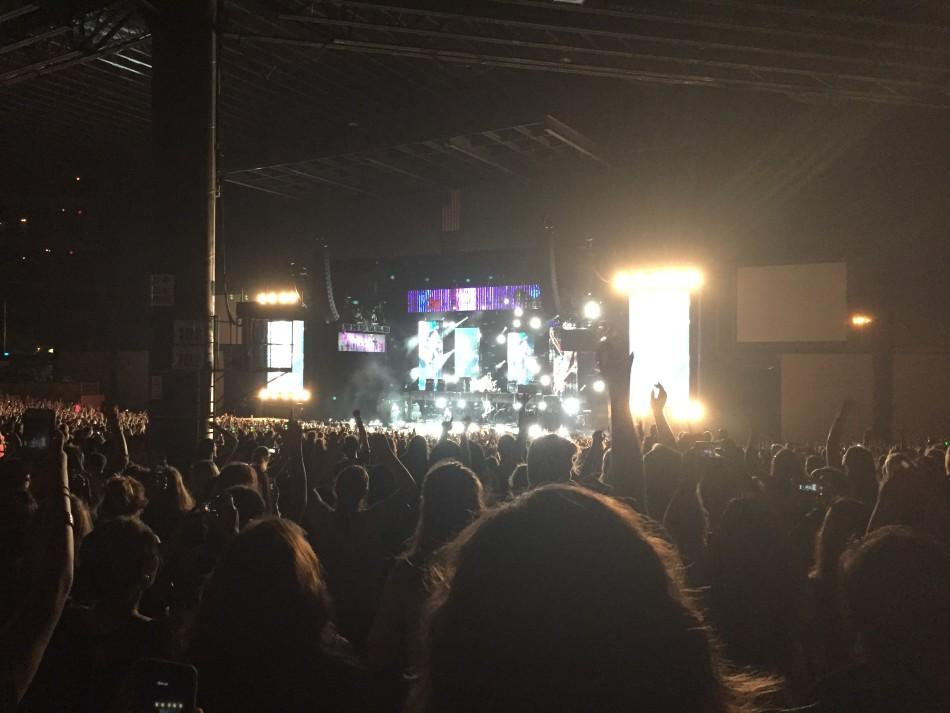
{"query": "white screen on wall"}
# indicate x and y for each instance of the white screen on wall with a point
(659, 340)
(793, 303)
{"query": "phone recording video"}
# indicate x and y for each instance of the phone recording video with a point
(164, 686)
(39, 424)
(809, 488)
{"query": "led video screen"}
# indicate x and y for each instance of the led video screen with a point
(285, 351)
(361, 342)
(522, 364)
(472, 299)
(659, 340)
(431, 357)
(793, 303)
(467, 342)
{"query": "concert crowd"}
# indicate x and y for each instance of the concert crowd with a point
(307, 567)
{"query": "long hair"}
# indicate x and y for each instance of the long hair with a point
(560, 601)
(264, 614)
(451, 499)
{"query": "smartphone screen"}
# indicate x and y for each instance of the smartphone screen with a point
(38, 427)
(164, 686)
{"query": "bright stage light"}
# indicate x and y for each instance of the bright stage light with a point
(571, 406)
(516, 323)
(599, 386)
(592, 310)
(472, 427)
(296, 396)
(535, 431)
(286, 297)
(545, 379)
(692, 412)
(501, 339)
(860, 320)
(461, 403)
(263, 394)
(542, 406)
(659, 329)
(441, 402)
(534, 323)
(677, 279)
(518, 311)
(517, 405)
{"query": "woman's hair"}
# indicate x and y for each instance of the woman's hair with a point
(787, 466)
(121, 496)
(350, 488)
(550, 460)
(561, 600)
(248, 502)
(859, 466)
(845, 521)
(203, 475)
(237, 474)
(264, 613)
(451, 500)
(118, 559)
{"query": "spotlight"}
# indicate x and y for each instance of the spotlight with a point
(545, 379)
(687, 279)
(263, 394)
(516, 323)
(262, 298)
(500, 339)
(440, 402)
(304, 395)
(518, 311)
(542, 406)
(692, 411)
(462, 403)
(517, 405)
(599, 386)
(534, 323)
(506, 301)
(592, 310)
(571, 406)
(535, 431)
(860, 320)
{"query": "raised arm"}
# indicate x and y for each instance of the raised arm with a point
(293, 488)
(27, 633)
(593, 456)
(382, 448)
(230, 444)
(833, 444)
(521, 441)
(627, 460)
(119, 446)
(663, 431)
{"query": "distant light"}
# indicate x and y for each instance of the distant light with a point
(571, 406)
(305, 395)
(506, 301)
(273, 298)
(50, 350)
(592, 310)
(660, 279)
(500, 339)
(24, 220)
(300, 396)
(692, 411)
(516, 323)
(461, 403)
(534, 323)
(78, 179)
(542, 406)
(535, 431)
(533, 366)
(472, 427)
(518, 311)
(861, 320)
(545, 379)
(441, 402)
(517, 405)
(599, 386)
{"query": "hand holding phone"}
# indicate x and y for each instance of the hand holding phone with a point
(164, 686)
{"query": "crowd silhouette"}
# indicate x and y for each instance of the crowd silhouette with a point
(305, 567)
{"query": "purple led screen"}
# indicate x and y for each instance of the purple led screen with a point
(472, 299)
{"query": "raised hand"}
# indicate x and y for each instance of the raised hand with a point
(658, 399)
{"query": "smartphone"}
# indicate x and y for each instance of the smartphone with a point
(164, 686)
(709, 451)
(39, 424)
(809, 487)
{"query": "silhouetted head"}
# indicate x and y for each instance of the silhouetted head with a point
(787, 467)
(118, 560)
(859, 467)
(451, 499)
(237, 474)
(897, 586)
(351, 486)
(248, 502)
(350, 447)
(562, 601)
(550, 460)
(845, 521)
(121, 496)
